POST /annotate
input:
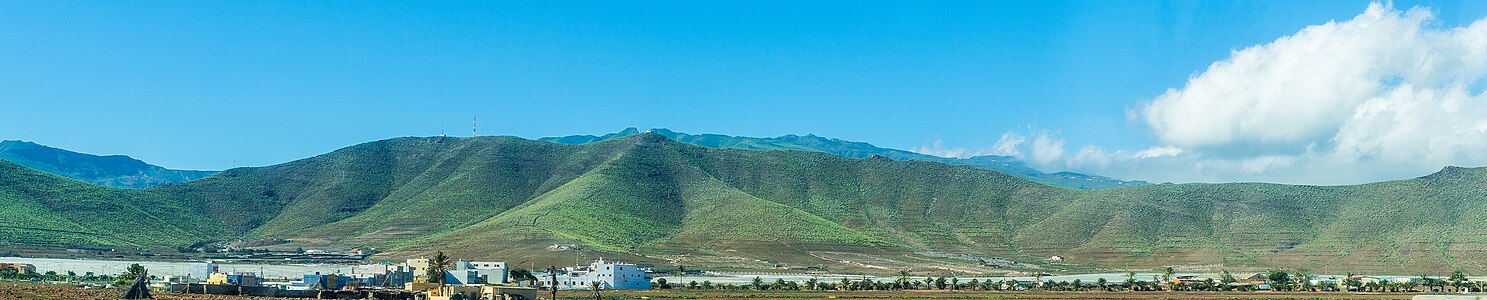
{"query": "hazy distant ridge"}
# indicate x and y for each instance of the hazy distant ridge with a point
(111, 170)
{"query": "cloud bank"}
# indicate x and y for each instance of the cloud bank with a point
(1385, 95)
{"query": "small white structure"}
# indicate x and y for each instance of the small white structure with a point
(564, 247)
(610, 275)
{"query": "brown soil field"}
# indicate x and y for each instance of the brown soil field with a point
(41, 291)
(781, 295)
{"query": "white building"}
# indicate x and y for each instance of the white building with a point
(492, 271)
(612, 275)
(202, 271)
(383, 274)
(463, 277)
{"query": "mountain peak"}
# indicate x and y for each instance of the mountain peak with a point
(1451, 172)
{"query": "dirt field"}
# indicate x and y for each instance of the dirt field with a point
(27, 290)
(758, 295)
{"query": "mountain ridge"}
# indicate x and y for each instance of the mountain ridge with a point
(109, 170)
(853, 149)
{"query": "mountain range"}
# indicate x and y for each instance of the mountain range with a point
(648, 198)
(1004, 164)
(112, 170)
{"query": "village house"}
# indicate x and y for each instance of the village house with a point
(610, 275)
(383, 275)
(18, 267)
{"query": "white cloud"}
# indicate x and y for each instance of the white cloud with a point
(1385, 95)
(1042, 148)
(1009, 145)
(1294, 90)
(1091, 155)
(1046, 148)
(937, 148)
(1160, 151)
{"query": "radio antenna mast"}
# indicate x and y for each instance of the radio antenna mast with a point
(474, 132)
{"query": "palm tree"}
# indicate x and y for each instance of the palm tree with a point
(1302, 279)
(1131, 281)
(1350, 282)
(552, 272)
(903, 279)
(1457, 278)
(1166, 275)
(437, 266)
(596, 286)
(681, 273)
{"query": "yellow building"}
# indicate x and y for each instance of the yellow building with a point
(237, 278)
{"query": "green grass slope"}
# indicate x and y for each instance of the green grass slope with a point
(41, 209)
(113, 170)
(1005, 164)
(649, 196)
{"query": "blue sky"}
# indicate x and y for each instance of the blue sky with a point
(212, 85)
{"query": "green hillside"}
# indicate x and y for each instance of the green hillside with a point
(113, 170)
(649, 198)
(37, 208)
(1005, 164)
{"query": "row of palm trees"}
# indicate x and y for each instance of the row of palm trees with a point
(1277, 280)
